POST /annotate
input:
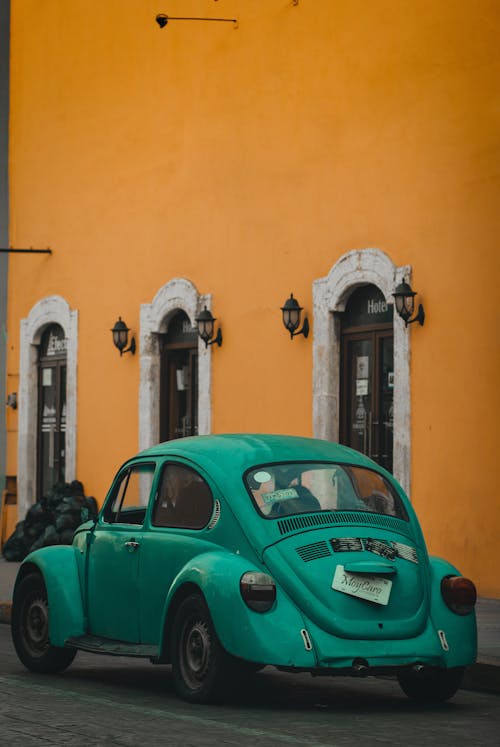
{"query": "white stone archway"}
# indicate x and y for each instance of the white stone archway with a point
(50, 310)
(177, 294)
(330, 294)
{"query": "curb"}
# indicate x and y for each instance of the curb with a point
(482, 677)
(5, 612)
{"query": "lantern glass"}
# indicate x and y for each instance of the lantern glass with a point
(399, 300)
(409, 303)
(404, 299)
(120, 334)
(205, 328)
(294, 318)
(291, 314)
(205, 322)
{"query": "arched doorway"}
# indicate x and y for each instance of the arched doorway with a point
(331, 293)
(51, 432)
(179, 379)
(367, 375)
(177, 295)
(49, 311)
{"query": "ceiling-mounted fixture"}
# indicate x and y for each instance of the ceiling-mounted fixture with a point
(404, 298)
(291, 317)
(205, 322)
(162, 19)
(120, 337)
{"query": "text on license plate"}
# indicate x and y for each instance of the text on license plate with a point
(373, 588)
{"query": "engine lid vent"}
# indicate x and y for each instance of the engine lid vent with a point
(336, 518)
(313, 551)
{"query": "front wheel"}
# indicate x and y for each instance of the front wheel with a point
(30, 629)
(202, 671)
(432, 685)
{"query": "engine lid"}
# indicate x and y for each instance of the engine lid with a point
(363, 583)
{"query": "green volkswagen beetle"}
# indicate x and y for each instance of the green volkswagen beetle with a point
(223, 554)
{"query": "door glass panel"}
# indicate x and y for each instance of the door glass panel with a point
(180, 390)
(62, 424)
(47, 436)
(193, 363)
(51, 444)
(360, 395)
(386, 428)
(179, 380)
(367, 382)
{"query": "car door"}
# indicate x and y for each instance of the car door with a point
(182, 508)
(113, 588)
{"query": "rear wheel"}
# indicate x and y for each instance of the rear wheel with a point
(30, 628)
(432, 685)
(202, 671)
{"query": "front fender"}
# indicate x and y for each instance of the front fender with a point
(58, 567)
(272, 637)
(460, 630)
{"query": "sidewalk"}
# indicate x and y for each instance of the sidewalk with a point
(8, 572)
(484, 675)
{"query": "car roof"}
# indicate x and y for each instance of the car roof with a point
(240, 451)
(225, 458)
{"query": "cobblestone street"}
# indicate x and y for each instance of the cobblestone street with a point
(106, 701)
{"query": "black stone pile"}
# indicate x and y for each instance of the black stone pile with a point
(51, 521)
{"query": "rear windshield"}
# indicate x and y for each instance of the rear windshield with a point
(299, 487)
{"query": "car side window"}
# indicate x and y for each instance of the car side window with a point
(131, 496)
(184, 499)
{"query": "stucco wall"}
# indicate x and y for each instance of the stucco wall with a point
(4, 222)
(248, 161)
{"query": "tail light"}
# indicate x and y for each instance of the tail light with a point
(459, 593)
(258, 591)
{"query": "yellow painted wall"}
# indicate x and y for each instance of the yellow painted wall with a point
(249, 160)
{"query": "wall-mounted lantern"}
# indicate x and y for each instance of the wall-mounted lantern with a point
(404, 298)
(205, 322)
(120, 337)
(291, 317)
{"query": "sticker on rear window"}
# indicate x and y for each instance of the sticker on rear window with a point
(280, 495)
(262, 477)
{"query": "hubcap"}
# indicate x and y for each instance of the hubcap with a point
(195, 654)
(36, 626)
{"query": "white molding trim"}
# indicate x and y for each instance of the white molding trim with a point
(330, 295)
(177, 294)
(49, 310)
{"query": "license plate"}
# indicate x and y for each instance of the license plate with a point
(373, 588)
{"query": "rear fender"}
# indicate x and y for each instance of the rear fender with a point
(58, 567)
(272, 637)
(460, 632)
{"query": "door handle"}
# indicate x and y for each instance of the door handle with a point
(132, 545)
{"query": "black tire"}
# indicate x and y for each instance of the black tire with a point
(30, 629)
(202, 671)
(432, 685)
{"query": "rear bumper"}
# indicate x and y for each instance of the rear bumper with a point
(426, 649)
